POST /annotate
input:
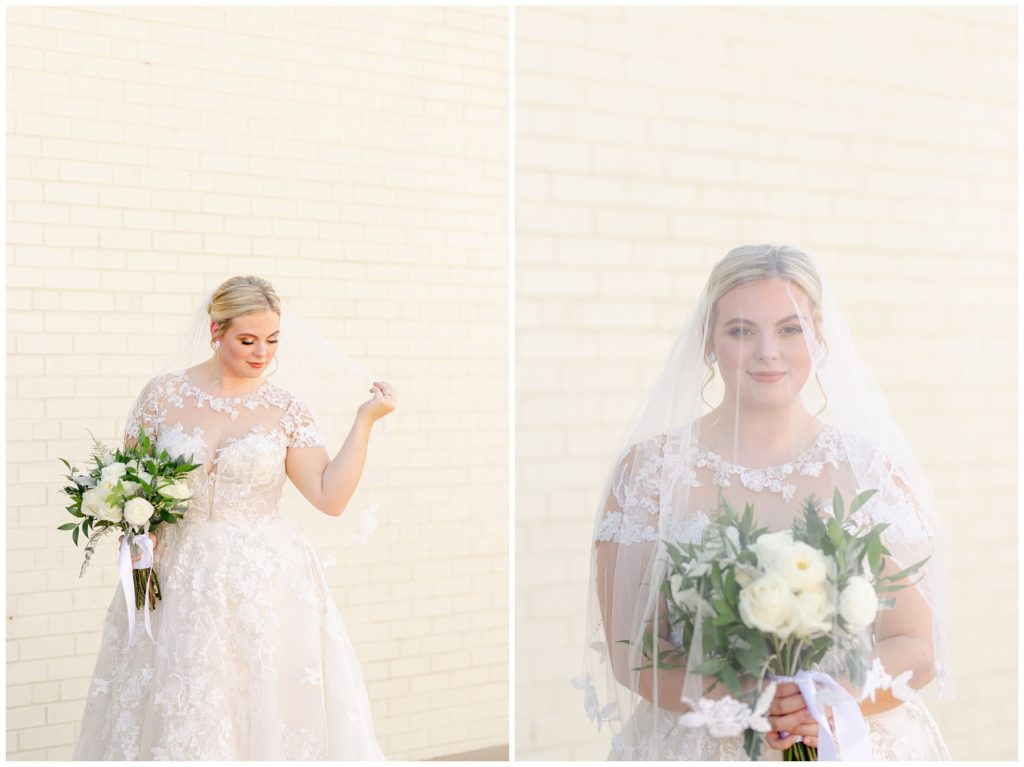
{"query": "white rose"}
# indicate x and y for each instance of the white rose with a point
(92, 500)
(801, 566)
(95, 504)
(110, 475)
(769, 547)
(768, 604)
(179, 491)
(816, 611)
(145, 476)
(858, 604)
(137, 512)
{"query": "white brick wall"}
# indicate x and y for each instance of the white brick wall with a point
(650, 142)
(357, 159)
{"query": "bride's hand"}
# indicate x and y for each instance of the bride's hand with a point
(789, 714)
(137, 557)
(381, 403)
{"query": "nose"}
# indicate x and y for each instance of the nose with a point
(767, 348)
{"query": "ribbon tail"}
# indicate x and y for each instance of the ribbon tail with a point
(827, 751)
(124, 570)
(851, 729)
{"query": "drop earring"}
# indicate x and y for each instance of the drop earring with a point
(712, 358)
(216, 345)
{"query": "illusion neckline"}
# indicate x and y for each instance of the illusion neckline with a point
(220, 398)
(798, 458)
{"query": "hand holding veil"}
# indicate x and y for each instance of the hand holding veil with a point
(763, 401)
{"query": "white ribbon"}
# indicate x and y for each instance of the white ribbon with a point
(124, 570)
(851, 729)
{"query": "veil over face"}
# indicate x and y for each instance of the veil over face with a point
(763, 401)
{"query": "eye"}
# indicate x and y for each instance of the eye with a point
(736, 332)
(792, 329)
(247, 342)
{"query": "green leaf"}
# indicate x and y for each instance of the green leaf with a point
(732, 589)
(731, 679)
(902, 574)
(69, 526)
(759, 645)
(875, 555)
(748, 661)
(74, 535)
(752, 744)
(709, 667)
(860, 500)
(648, 645)
(837, 505)
(815, 527)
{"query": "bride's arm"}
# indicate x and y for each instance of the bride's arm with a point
(330, 484)
(903, 637)
(618, 597)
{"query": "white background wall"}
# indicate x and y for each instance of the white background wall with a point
(649, 143)
(357, 159)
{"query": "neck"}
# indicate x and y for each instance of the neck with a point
(217, 380)
(761, 435)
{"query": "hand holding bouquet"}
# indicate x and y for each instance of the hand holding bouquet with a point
(133, 489)
(765, 607)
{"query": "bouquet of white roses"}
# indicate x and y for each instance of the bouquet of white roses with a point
(769, 606)
(133, 490)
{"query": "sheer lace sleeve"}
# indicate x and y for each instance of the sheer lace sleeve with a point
(905, 633)
(894, 503)
(148, 412)
(631, 508)
(299, 426)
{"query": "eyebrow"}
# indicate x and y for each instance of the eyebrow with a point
(253, 335)
(790, 318)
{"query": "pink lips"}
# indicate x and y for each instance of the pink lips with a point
(255, 364)
(770, 377)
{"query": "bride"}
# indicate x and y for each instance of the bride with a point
(251, 659)
(764, 401)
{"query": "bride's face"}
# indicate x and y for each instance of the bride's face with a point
(762, 353)
(249, 344)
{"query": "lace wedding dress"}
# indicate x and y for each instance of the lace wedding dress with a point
(907, 732)
(251, 659)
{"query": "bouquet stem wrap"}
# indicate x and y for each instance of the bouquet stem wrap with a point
(124, 570)
(851, 729)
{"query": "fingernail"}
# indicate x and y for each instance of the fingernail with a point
(799, 739)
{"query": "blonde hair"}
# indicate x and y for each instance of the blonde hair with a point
(238, 296)
(751, 263)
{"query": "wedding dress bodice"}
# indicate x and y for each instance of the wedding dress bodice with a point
(239, 443)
